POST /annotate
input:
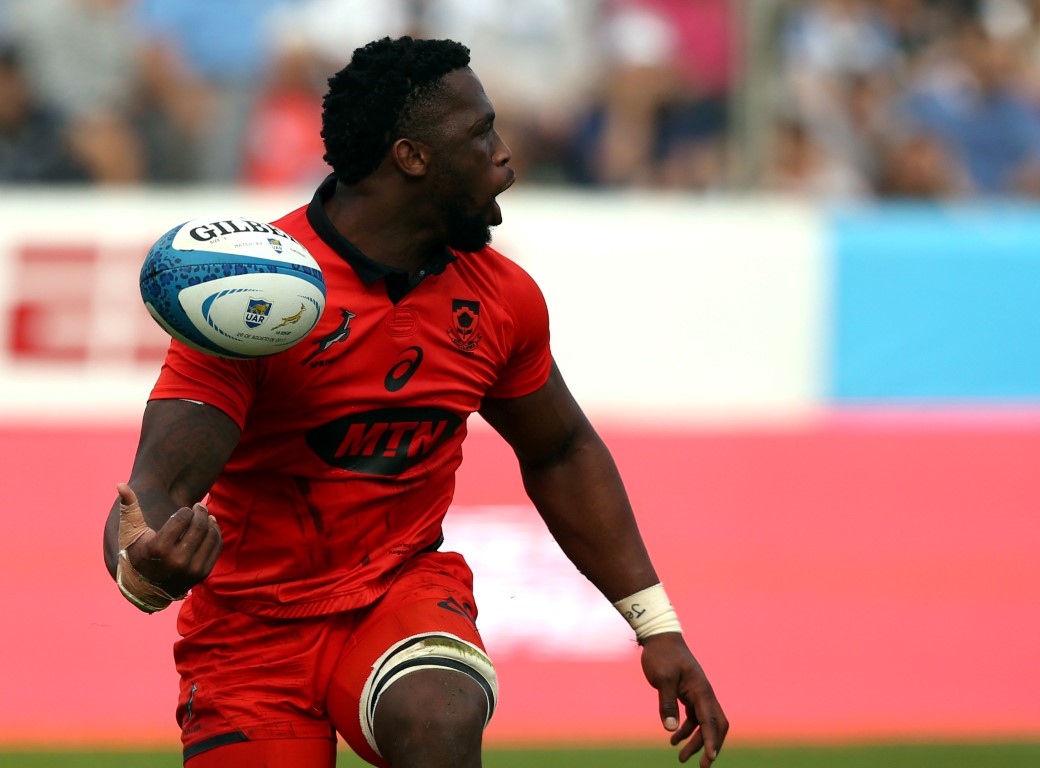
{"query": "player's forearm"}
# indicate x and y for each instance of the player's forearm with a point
(183, 448)
(583, 501)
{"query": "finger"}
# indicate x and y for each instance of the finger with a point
(713, 731)
(209, 550)
(710, 735)
(693, 746)
(668, 705)
(132, 525)
(684, 732)
(170, 534)
(197, 529)
(127, 496)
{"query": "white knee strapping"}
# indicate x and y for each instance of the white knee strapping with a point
(427, 651)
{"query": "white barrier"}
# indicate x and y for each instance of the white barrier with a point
(671, 308)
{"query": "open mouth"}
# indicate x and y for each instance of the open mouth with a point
(509, 182)
(496, 211)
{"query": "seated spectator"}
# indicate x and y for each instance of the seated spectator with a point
(204, 61)
(79, 58)
(282, 143)
(33, 137)
(919, 167)
(661, 115)
(308, 40)
(972, 101)
(799, 165)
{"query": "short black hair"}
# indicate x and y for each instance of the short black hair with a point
(379, 97)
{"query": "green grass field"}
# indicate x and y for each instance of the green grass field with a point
(1025, 755)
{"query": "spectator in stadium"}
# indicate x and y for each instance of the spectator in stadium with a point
(971, 98)
(320, 600)
(282, 142)
(34, 147)
(79, 58)
(204, 62)
(919, 167)
(802, 166)
(660, 115)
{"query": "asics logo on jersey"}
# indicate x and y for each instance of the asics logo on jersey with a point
(462, 609)
(403, 370)
(384, 442)
(336, 337)
(465, 314)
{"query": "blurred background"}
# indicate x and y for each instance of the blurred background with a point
(791, 250)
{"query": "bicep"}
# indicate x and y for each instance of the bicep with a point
(540, 427)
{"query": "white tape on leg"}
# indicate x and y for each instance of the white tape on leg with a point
(426, 651)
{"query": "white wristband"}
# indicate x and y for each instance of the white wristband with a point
(143, 594)
(649, 612)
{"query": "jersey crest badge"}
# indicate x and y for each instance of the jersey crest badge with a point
(465, 316)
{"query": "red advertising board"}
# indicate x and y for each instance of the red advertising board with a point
(845, 580)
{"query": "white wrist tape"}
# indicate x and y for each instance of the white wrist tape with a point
(142, 593)
(649, 612)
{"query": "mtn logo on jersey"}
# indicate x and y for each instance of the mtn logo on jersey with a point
(383, 442)
(464, 317)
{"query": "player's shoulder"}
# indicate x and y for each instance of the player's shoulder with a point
(297, 224)
(294, 223)
(495, 266)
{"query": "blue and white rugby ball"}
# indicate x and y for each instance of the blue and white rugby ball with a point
(232, 287)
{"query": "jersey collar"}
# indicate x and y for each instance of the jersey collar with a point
(398, 283)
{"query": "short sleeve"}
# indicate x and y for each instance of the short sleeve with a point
(530, 358)
(187, 374)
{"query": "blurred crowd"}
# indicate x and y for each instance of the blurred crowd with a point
(917, 99)
(860, 98)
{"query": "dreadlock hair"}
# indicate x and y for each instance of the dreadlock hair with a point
(380, 96)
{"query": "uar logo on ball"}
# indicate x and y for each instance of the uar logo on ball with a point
(232, 287)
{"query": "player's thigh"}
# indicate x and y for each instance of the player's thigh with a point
(247, 679)
(419, 640)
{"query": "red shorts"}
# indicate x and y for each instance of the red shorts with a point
(245, 678)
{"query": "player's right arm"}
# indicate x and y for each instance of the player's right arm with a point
(182, 449)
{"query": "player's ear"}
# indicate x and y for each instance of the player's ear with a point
(411, 157)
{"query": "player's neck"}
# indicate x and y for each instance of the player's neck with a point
(387, 233)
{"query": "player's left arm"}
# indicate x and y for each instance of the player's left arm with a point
(572, 480)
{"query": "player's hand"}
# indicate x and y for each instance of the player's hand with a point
(674, 672)
(177, 556)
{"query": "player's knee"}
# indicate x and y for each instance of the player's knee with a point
(439, 714)
(431, 695)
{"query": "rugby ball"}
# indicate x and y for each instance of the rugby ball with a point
(232, 287)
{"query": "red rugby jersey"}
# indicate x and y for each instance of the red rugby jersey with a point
(350, 439)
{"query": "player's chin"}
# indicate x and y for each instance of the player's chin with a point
(473, 235)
